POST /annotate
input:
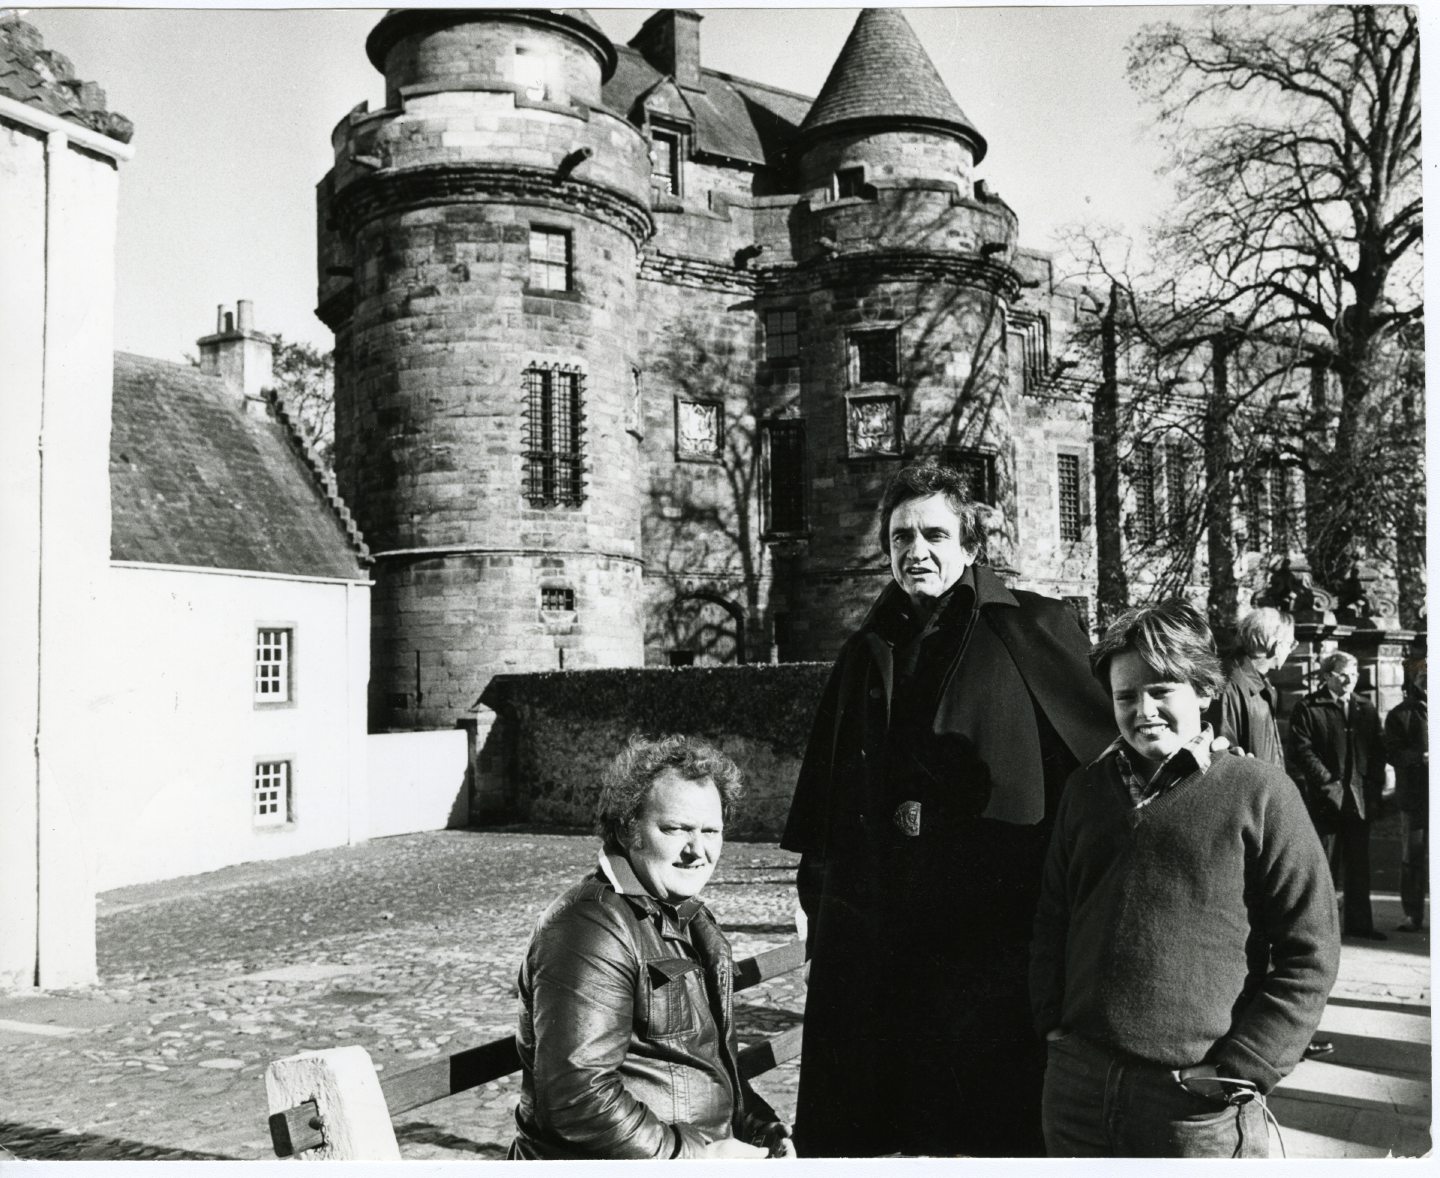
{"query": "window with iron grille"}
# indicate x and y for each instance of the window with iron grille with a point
(1067, 477)
(875, 356)
(977, 468)
(849, 182)
(665, 157)
(554, 433)
(549, 259)
(784, 443)
(1278, 485)
(1178, 480)
(272, 666)
(1268, 516)
(1145, 521)
(782, 335)
(556, 599)
(270, 794)
(1081, 606)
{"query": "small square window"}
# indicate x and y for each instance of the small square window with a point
(272, 666)
(874, 356)
(665, 157)
(849, 182)
(978, 469)
(873, 426)
(697, 429)
(549, 259)
(554, 599)
(270, 794)
(782, 335)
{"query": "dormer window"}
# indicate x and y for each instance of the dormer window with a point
(849, 182)
(665, 157)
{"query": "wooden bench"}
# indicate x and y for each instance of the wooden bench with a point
(332, 1105)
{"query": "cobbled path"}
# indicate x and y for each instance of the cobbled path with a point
(408, 946)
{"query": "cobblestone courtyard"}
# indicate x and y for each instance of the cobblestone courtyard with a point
(408, 946)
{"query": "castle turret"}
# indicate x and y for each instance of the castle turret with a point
(899, 289)
(478, 252)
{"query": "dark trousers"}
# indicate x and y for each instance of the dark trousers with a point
(1414, 865)
(1100, 1105)
(1348, 849)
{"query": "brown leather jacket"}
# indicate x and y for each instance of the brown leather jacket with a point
(626, 1035)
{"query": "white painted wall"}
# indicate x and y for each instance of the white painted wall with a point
(417, 781)
(173, 748)
(57, 286)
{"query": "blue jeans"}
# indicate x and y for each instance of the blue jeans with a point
(1100, 1105)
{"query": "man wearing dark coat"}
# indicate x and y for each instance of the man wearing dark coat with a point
(1339, 755)
(922, 811)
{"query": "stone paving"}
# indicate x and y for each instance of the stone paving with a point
(408, 946)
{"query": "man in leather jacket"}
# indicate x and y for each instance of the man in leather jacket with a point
(626, 1033)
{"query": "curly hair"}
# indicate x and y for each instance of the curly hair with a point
(626, 783)
(1172, 639)
(930, 477)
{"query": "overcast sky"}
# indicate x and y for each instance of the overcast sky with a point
(233, 112)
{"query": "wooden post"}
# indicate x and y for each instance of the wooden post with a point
(350, 1107)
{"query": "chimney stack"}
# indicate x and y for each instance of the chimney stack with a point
(243, 358)
(670, 41)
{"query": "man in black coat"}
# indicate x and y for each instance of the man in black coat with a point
(1338, 753)
(950, 722)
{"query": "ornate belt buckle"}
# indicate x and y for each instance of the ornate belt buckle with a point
(907, 818)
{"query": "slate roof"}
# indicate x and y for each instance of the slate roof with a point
(734, 118)
(195, 480)
(42, 78)
(883, 72)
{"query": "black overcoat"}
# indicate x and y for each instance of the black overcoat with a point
(917, 1030)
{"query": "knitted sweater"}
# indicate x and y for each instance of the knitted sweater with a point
(1199, 929)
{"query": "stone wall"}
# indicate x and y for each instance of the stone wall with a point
(555, 734)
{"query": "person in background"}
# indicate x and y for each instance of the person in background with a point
(950, 721)
(1339, 755)
(1186, 936)
(626, 1034)
(1247, 712)
(1407, 747)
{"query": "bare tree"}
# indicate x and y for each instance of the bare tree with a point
(1295, 135)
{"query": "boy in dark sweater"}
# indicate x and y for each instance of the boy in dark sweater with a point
(1186, 938)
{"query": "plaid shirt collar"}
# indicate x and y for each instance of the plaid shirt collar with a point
(1190, 757)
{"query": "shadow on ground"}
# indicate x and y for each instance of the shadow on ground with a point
(33, 1143)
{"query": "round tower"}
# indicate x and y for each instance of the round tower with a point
(900, 286)
(478, 257)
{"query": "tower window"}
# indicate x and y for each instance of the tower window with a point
(875, 356)
(782, 335)
(1177, 486)
(977, 468)
(272, 666)
(784, 457)
(665, 156)
(270, 794)
(1067, 477)
(554, 431)
(554, 599)
(549, 259)
(849, 182)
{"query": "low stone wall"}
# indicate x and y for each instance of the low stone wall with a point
(555, 732)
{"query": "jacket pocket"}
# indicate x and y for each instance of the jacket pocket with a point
(672, 985)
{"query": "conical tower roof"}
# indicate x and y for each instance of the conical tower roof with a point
(884, 77)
